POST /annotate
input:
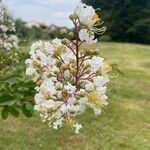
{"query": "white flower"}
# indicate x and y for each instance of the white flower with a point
(48, 104)
(96, 63)
(85, 35)
(57, 42)
(30, 71)
(48, 86)
(97, 111)
(77, 127)
(65, 108)
(101, 90)
(100, 81)
(38, 98)
(37, 88)
(71, 100)
(67, 73)
(58, 85)
(35, 47)
(70, 88)
(58, 123)
(7, 28)
(89, 86)
(48, 47)
(4, 28)
(83, 100)
(68, 55)
(86, 14)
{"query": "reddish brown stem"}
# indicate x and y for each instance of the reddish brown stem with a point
(89, 77)
(77, 50)
(71, 49)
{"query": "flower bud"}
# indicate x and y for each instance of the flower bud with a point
(96, 52)
(71, 35)
(87, 66)
(73, 70)
(65, 41)
(63, 31)
(90, 52)
(73, 16)
(58, 63)
(64, 66)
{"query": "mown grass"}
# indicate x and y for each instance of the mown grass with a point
(124, 124)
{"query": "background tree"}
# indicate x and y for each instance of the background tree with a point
(127, 20)
(28, 34)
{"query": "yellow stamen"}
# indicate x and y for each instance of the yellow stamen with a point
(96, 18)
(69, 120)
(95, 98)
(106, 67)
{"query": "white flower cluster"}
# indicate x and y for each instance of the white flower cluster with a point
(91, 22)
(7, 27)
(69, 79)
(87, 15)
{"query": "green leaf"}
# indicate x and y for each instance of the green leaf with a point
(8, 103)
(5, 112)
(14, 112)
(29, 106)
(5, 98)
(12, 81)
(26, 111)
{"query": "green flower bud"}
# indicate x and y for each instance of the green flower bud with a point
(99, 72)
(63, 31)
(55, 55)
(87, 67)
(64, 66)
(96, 52)
(73, 16)
(89, 52)
(73, 70)
(65, 41)
(88, 71)
(58, 63)
(71, 35)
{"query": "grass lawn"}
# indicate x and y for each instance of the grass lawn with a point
(124, 124)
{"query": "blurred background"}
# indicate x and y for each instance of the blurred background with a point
(125, 123)
(127, 20)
